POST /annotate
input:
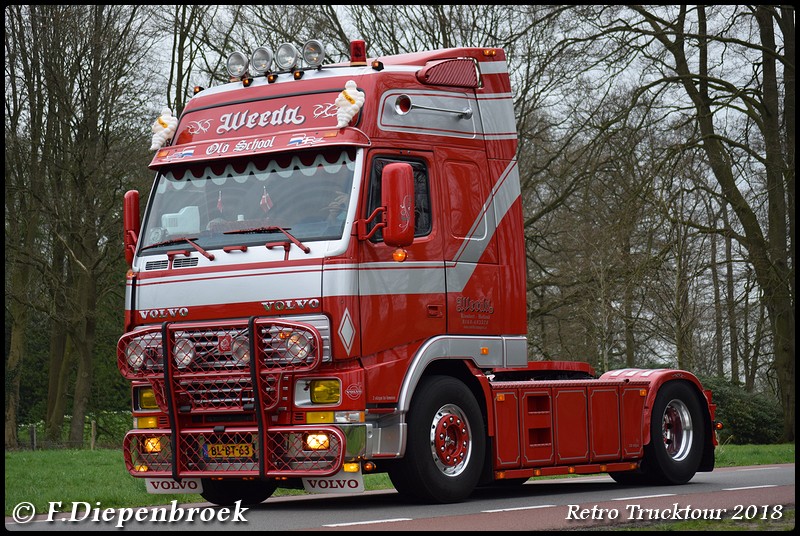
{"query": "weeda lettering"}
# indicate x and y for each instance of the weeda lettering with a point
(282, 116)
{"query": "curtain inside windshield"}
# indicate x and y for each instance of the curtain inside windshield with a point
(306, 192)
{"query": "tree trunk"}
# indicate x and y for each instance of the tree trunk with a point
(719, 357)
(57, 384)
(85, 348)
(730, 297)
(19, 330)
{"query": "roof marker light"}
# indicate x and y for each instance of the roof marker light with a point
(358, 53)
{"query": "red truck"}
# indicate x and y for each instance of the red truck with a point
(330, 280)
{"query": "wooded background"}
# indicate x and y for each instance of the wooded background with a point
(657, 159)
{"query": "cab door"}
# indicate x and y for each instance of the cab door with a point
(402, 303)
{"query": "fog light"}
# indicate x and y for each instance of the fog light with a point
(236, 65)
(316, 441)
(152, 445)
(286, 56)
(147, 398)
(325, 391)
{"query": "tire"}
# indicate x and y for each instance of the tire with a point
(676, 434)
(446, 444)
(227, 492)
(677, 439)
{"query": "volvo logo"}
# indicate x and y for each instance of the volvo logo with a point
(169, 312)
(290, 305)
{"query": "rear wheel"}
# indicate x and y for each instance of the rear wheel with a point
(446, 443)
(227, 492)
(676, 434)
(677, 439)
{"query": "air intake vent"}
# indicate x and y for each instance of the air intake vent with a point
(156, 265)
(184, 262)
(458, 72)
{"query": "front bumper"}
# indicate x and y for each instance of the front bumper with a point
(283, 453)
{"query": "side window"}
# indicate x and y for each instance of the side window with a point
(422, 198)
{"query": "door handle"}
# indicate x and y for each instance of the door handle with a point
(435, 311)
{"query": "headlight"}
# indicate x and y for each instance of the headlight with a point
(236, 65)
(135, 354)
(286, 56)
(240, 349)
(183, 352)
(298, 346)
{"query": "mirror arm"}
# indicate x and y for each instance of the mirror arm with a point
(361, 225)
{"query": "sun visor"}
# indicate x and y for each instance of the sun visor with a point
(260, 126)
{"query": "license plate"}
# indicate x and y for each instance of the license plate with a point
(235, 450)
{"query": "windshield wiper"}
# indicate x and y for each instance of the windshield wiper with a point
(273, 229)
(187, 239)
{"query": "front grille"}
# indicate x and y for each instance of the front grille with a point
(210, 368)
(227, 394)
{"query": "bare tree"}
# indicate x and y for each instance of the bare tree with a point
(24, 112)
(81, 78)
(735, 68)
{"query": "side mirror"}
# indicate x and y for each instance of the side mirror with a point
(131, 224)
(397, 196)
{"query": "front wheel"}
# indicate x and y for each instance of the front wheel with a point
(228, 492)
(446, 443)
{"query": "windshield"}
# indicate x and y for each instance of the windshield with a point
(305, 193)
